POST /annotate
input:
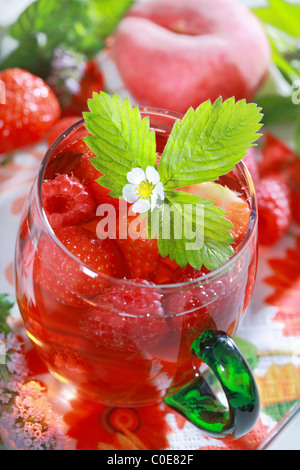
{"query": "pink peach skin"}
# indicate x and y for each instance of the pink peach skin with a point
(178, 53)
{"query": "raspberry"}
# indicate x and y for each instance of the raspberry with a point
(203, 305)
(127, 318)
(67, 202)
(293, 179)
(276, 156)
(274, 209)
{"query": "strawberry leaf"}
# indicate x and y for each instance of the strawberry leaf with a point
(120, 139)
(205, 145)
(192, 230)
(208, 142)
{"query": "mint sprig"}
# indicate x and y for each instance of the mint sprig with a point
(205, 145)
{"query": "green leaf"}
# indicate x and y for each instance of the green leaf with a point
(278, 109)
(120, 139)
(297, 135)
(197, 231)
(281, 21)
(6, 303)
(283, 15)
(208, 142)
(278, 410)
(47, 24)
(107, 14)
(285, 53)
(248, 350)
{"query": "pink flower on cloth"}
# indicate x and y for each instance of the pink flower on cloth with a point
(31, 422)
(27, 420)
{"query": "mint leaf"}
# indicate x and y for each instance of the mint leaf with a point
(208, 142)
(198, 231)
(120, 139)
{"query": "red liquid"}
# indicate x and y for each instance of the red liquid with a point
(141, 370)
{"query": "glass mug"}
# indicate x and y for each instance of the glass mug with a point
(160, 360)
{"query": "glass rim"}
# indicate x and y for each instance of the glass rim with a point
(204, 278)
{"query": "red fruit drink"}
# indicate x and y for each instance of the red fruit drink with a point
(113, 317)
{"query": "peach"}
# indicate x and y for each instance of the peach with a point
(178, 53)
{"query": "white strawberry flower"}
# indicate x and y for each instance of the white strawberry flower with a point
(145, 190)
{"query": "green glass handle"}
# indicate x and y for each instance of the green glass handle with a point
(198, 403)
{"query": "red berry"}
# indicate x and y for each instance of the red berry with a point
(293, 178)
(276, 156)
(92, 81)
(251, 164)
(141, 254)
(67, 202)
(127, 318)
(165, 271)
(89, 175)
(274, 209)
(188, 274)
(186, 308)
(61, 126)
(30, 110)
(63, 277)
(207, 304)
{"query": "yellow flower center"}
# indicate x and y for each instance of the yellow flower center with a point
(144, 189)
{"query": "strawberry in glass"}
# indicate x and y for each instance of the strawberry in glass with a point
(111, 303)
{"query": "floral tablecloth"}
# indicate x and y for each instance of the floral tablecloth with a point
(270, 337)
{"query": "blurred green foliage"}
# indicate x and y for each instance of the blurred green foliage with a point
(281, 21)
(46, 24)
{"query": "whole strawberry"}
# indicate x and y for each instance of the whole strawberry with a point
(30, 110)
(140, 254)
(274, 209)
(60, 126)
(67, 280)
